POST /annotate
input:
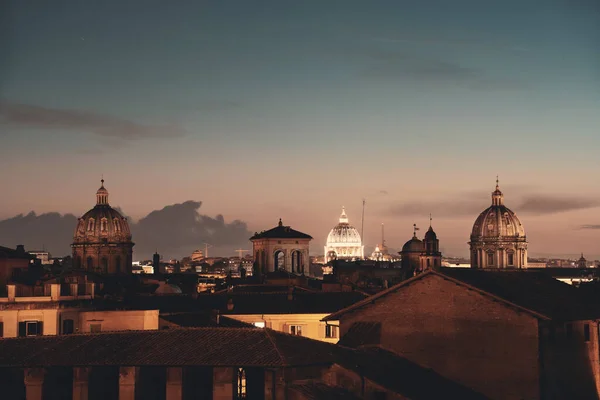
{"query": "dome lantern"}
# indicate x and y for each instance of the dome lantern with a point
(497, 196)
(102, 195)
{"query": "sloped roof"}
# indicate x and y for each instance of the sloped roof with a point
(538, 294)
(319, 391)
(200, 320)
(361, 334)
(281, 232)
(225, 347)
(402, 376)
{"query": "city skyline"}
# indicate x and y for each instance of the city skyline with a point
(294, 110)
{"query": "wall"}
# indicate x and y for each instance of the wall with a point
(119, 320)
(312, 327)
(11, 319)
(459, 333)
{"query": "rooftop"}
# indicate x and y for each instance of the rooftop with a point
(281, 232)
(224, 347)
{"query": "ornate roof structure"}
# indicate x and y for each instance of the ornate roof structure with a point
(280, 232)
(344, 240)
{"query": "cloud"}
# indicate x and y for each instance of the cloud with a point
(589, 227)
(472, 205)
(175, 231)
(103, 126)
(403, 64)
(384, 192)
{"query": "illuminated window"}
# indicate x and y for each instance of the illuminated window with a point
(103, 224)
(91, 224)
(296, 330)
(241, 384)
(260, 324)
(331, 331)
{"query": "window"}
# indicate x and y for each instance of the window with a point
(91, 224)
(103, 224)
(241, 384)
(95, 328)
(260, 324)
(296, 330)
(569, 330)
(586, 332)
(331, 331)
(1, 329)
(490, 258)
(68, 327)
(511, 259)
(117, 225)
(30, 328)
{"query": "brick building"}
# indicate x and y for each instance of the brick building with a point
(507, 335)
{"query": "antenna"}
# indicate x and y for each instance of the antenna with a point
(382, 237)
(206, 247)
(362, 223)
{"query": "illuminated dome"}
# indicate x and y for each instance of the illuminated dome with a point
(498, 238)
(344, 241)
(102, 239)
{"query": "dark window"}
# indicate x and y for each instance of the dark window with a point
(296, 330)
(1, 329)
(569, 330)
(511, 259)
(30, 328)
(68, 327)
(490, 258)
(586, 332)
(241, 384)
(331, 331)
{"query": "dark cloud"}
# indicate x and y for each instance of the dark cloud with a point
(539, 204)
(384, 192)
(589, 227)
(103, 126)
(175, 231)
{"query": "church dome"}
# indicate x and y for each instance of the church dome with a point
(414, 245)
(102, 223)
(497, 221)
(344, 240)
(344, 233)
(430, 234)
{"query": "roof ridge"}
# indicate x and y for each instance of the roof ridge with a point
(281, 357)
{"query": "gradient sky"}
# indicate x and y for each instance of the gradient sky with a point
(268, 109)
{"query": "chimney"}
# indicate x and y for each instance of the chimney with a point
(21, 249)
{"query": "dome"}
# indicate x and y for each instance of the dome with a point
(430, 234)
(344, 239)
(414, 245)
(497, 221)
(102, 223)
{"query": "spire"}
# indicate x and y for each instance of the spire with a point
(102, 194)
(280, 223)
(497, 196)
(430, 219)
(343, 217)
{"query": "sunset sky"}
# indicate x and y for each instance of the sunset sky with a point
(291, 109)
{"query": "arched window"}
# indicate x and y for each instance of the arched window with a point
(103, 224)
(510, 259)
(91, 224)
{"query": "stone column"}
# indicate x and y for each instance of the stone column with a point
(127, 383)
(34, 380)
(174, 383)
(80, 383)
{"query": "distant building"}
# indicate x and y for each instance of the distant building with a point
(197, 255)
(13, 261)
(344, 241)
(102, 241)
(281, 248)
(43, 256)
(498, 238)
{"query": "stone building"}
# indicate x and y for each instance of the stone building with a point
(281, 248)
(498, 238)
(507, 335)
(102, 240)
(421, 255)
(344, 241)
(13, 261)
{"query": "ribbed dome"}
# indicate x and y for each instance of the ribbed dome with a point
(344, 233)
(497, 221)
(102, 223)
(414, 245)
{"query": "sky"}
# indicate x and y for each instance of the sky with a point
(263, 110)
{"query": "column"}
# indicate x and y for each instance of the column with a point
(127, 383)
(80, 383)
(174, 383)
(34, 381)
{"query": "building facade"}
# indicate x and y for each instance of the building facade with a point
(102, 240)
(344, 241)
(281, 248)
(498, 238)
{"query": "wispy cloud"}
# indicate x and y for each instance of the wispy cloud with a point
(589, 227)
(460, 206)
(105, 126)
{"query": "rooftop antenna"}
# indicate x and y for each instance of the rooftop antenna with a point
(206, 247)
(382, 237)
(362, 223)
